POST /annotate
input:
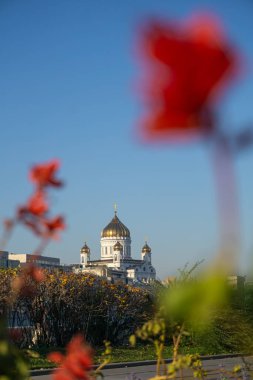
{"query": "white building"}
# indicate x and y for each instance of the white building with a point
(116, 261)
(5, 262)
(41, 261)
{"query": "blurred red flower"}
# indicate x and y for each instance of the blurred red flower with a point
(188, 64)
(25, 282)
(34, 213)
(35, 273)
(33, 216)
(36, 205)
(77, 363)
(53, 225)
(44, 174)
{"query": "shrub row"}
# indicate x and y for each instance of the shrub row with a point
(66, 303)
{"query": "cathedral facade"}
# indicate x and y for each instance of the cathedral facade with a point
(116, 260)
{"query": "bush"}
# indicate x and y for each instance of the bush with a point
(66, 303)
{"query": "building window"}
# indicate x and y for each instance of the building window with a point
(82, 259)
(144, 269)
(106, 250)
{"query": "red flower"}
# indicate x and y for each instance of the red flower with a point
(25, 282)
(35, 273)
(77, 363)
(33, 211)
(33, 216)
(44, 174)
(188, 64)
(36, 205)
(53, 226)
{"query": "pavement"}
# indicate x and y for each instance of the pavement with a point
(144, 370)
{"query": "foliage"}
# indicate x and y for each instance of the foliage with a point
(197, 311)
(230, 331)
(13, 363)
(101, 310)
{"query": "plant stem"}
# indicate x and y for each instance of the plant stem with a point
(228, 206)
(176, 342)
(6, 236)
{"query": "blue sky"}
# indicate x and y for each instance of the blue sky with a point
(68, 74)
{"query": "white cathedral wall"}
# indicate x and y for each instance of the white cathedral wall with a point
(131, 273)
(107, 245)
(145, 272)
(84, 258)
(146, 257)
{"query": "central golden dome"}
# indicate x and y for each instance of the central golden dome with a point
(115, 229)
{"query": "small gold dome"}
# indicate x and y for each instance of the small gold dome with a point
(146, 248)
(118, 247)
(115, 229)
(85, 248)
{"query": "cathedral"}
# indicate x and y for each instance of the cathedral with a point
(116, 262)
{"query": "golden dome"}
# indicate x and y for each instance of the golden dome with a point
(115, 229)
(118, 246)
(146, 248)
(85, 248)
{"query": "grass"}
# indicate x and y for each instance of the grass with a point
(119, 354)
(39, 363)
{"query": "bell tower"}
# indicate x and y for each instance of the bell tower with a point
(146, 253)
(84, 255)
(117, 256)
